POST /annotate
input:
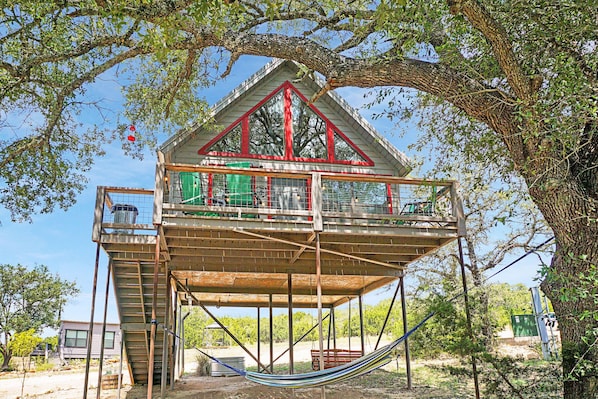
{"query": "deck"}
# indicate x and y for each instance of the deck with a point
(246, 237)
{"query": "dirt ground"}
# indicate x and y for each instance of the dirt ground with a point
(388, 383)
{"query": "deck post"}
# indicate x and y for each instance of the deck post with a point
(290, 309)
(405, 329)
(154, 321)
(102, 343)
(165, 340)
(362, 337)
(93, 306)
(333, 329)
(468, 316)
(319, 299)
(271, 321)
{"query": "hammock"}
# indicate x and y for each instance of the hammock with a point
(358, 367)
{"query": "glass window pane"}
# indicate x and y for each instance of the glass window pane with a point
(266, 128)
(230, 142)
(343, 150)
(109, 340)
(309, 131)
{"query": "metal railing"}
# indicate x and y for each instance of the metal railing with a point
(319, 197)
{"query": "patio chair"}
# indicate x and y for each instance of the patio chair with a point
(192, 193)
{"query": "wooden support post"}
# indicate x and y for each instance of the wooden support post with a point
(154, 322)
(102, 343)
(271, 320)
(90, 330)
(468, 316)
(319, 299)
(405, 329)
(329, 328)
(290, 309)
(361, 333)
(175, 341)
(165, 340)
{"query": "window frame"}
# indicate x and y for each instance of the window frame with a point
(76, 339)
(106, 346)
(287, 88)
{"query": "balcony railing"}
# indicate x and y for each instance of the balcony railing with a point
(244, 193)
(240, 191)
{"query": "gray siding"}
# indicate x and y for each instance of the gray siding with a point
(81, 353)
(186, 152)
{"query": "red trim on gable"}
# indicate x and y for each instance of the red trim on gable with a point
(287, 88)
(288, 123)
(245, 136)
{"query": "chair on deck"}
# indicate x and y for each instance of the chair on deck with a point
(240, 189)
(192, 193)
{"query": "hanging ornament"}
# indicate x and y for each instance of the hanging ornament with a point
(131, 137)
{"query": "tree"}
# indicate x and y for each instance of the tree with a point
(514, 82)
(29, 299)
(22, 344)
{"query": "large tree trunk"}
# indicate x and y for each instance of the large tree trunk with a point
(572, 281)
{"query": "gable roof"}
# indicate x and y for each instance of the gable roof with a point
(395, 157)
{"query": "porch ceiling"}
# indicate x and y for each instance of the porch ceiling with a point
(242, 266)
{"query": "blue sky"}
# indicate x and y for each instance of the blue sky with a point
(62, 240)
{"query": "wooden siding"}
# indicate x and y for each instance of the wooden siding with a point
(186, 153)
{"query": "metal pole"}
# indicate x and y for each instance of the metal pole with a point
(102, 344)
(349, 324)
(361, 325)
(392, 302)
(165, 340)
(154, 322)
(290, 308)
(333, 329)
(259, 352)
(120, 363)
(405, 329)
(271, 321)
(468, 316)
(319, 299)
(90, 330)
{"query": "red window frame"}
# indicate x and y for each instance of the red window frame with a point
(288, 88)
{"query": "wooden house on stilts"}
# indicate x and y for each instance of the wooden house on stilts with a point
(279, 202)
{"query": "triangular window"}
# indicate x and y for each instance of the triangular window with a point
(343, 151)
(284, 126)
(230, 142)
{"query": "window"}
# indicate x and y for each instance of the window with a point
(285, 126)
(75, 338)
(109, 340)
(266, 128)
(231, 142)
(343, 151)
(309, 131)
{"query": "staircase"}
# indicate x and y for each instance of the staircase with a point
(133, 287)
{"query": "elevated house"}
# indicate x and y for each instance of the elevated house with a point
(277, 202)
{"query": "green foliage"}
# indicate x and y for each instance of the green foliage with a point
(30, 299)
(23, 343)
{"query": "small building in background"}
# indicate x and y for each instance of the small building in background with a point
(73, 336)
